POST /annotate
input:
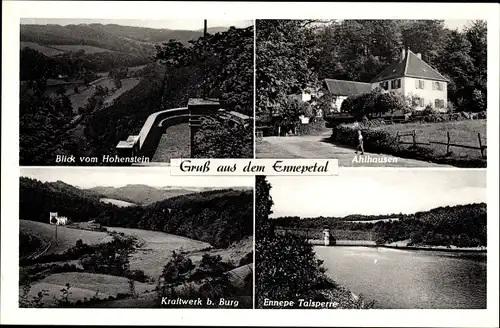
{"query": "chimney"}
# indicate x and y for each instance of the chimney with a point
(419, 55)
(403, 54)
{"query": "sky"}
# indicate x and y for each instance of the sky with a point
(376, 192)
(175, 24)
(89, 177)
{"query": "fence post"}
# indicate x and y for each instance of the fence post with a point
(414, 138)
(448, 142)
(480, 145)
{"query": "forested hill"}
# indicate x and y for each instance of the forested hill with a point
(141, 194)
(461, 225)
(37, 199)
(120, 38)
(219, 217)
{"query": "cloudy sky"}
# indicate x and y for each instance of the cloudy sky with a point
(88, 177)
(376, 192)
(174, 24)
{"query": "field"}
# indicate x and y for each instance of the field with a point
(46, 50)
(85, 285)
(127, 84)
(80, 99)
(117, 202)
(77, 47)
(66, 237)
(461, 132)
(155, 248)
(233, 254)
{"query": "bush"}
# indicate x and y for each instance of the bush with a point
(286, 269)
(224, 140)
(375, 103)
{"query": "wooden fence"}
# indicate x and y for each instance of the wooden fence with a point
(448, 143)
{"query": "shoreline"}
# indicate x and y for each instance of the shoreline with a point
(438, 248)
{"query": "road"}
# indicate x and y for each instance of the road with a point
(316, 147)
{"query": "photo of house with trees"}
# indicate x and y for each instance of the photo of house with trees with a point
(416, 89)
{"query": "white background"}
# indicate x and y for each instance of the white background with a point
(11, 13)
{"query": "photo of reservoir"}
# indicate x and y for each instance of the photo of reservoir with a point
(386, 239)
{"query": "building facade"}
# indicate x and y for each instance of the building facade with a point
(421, 84)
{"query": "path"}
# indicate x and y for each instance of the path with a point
(316, 147)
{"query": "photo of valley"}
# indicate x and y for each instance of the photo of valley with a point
(103, 92)
(134, 238)
(390, 239)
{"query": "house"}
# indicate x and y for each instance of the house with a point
(342, 89)
(410, 76)
(56, 219)
(416, 80)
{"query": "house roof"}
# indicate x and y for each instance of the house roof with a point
(411, 66)
(347, 88)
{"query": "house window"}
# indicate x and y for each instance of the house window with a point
(439, 103)
(384, 85)
(396, 84)
(437, 86)
(417, 101)
(419, 84)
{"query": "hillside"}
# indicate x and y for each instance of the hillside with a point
(218, 217)
(139, 194)
(37, 199)
(125, 39)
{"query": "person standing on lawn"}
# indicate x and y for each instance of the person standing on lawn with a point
(360, 143)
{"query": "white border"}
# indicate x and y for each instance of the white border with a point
(232, 10)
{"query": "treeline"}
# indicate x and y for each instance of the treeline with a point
(34, 65)
(218, 217)
(461, 225)
(358, 50)
(226, 60)
(37, 199)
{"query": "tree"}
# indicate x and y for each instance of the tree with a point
(117, 82)
(285, 50)
(263, 206)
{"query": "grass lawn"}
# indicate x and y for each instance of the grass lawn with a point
(76, 47)
(156, 248)
(66, 237)
(117, 202)
(85, 285)
(461, 132)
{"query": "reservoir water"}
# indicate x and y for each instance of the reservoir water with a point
(409, 279)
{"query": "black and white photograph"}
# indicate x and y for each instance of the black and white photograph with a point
(116, 92)
(367, 240)
(385, 93)
(113, 238)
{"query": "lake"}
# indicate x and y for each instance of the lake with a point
(409, 279)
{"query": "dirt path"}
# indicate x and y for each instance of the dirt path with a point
(316, 147)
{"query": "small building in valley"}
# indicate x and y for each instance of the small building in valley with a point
(56, 219)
